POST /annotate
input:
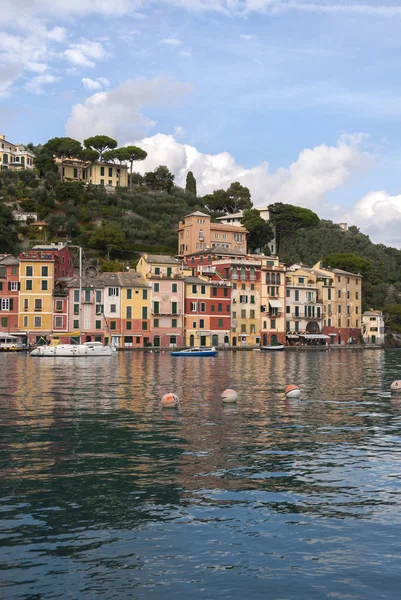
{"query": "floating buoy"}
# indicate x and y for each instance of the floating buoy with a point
(396, 386)
(292, 391)
(229, 396)
(170, 401)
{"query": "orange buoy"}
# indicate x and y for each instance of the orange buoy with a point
(292, 391)
(229, 396)
(170, 401)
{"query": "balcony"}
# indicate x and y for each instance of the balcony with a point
(166, 313)
(306, 317)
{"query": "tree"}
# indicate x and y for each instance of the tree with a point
(130, 154)
(190, 186)
(260, 232)
(100, 144)
(236, 198)
(8, 240)
(348, 261)
(107, 237)
(62, 148)
(44, 160)
(287, 218)
(160, 180)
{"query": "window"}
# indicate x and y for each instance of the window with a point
(101, 171)
(339, 279)
(273, 323)
(173, 340)
(214, 291)
(144, 312)
(356, 323)
(243, 299)
(287, 310)
(193, 306)
(203, 289)
(296, 295)
(37, 322)
(102, 182)
(219, 307)
(45, 271)
(243, 314)
(203, 306)
(26, 303)
(128, 312)
(113, 308)
(157, 270)
(328, 322)
(76, 295)
(75, 323)
(156, 308)
(252, 314)
(243, 328)
(201, 323)
(128, 325)
(301, 280)
(194, 289)
(296, 325)
(110, 171)
(339, 293)
(155, 322)
(174, 308)
(76, 309)
(318, 312)
(339, 322)
(98, 324)
(59, 305)
(113, 325)
(28, 284)
(234, 286)
(348, 295)
(44, 284)
(253, 329)
(220, 323)
(5, 304)
(113, 291)
(356, 295)
(59, 321)
(339, 308)
(174, 288)
(288, 293)
(252, 299)
(252, 286)
(25, 321)
(144, 326)
(173, 322)
(278, 279)
(38, 303)
(75, 173)
(129, 294)
(29, 271)
(329, 294)
(356, 309)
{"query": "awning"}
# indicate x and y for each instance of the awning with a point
(7, 336)
(292, 336)
(314, 336)
(275, 304)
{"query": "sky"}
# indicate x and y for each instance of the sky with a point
(300, 100)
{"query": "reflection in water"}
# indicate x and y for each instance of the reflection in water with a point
(104, 494)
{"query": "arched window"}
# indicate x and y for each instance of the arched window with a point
(252, 273)
(234, 272)
(243, 273)
(268, 278)
(273, 278)
(278, 279)
(191, 340)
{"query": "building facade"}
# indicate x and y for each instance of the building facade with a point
(373, 327)
(14, 156)
(197, 232)
(9, 293)
(97, 173)
(273, 302)
(304, 306)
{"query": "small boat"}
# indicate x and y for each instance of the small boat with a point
(55, 348)
(278, 347)
(195, 352)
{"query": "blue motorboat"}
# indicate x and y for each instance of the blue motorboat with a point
(195, 352)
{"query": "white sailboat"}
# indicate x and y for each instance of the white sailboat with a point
(56, 348)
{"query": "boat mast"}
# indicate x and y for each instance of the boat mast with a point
(80, 293)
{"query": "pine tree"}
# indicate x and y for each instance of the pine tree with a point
(190, 185)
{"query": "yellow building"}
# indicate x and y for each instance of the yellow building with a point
(97, 173)
(135, 310)
(40, 267)
(14, 156)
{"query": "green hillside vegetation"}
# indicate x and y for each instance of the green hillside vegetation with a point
(115, 226)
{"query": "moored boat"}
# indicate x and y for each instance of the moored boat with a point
(195, 352)
(87, 349)
(278, 347)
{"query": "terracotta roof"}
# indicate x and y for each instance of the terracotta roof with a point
(8, 259)
(219, 250)
(197, 213)
(161, 259)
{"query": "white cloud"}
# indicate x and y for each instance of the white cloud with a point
(171, 42)
(57, 34)
(379, 215)
(179, 131)
(305, 182)
(95, 84)
(85, 53)
(35, 85)
(247, 37)
(118, 112)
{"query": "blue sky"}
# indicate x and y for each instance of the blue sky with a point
(299, 100)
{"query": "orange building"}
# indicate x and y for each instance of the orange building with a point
(197, 232)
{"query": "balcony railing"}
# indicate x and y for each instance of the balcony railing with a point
(306, 317)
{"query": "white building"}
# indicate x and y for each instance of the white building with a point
(236, 219)
(373, 327)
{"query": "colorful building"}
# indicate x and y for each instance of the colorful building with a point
(135, 311)
(40, 268)
(165, 276)
(14, 156)
(373, 327)
(97, 173)
(197, 232)
(9, 291)
(304, 306)
(273, 302)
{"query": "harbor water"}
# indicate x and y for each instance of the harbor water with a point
(103, 494)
